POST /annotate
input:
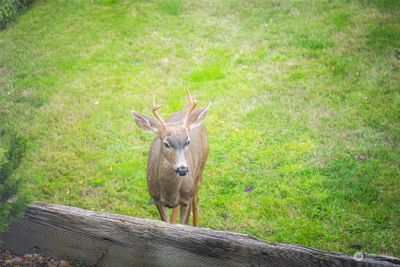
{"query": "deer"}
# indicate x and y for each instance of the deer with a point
(176, 159)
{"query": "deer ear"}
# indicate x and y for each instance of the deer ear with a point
(197, 117)
(145, 123)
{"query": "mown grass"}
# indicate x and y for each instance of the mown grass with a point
(304, 127)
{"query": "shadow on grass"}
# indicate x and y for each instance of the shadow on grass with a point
(11, 205)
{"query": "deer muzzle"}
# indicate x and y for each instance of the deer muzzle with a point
(182, 170)
(181, 163)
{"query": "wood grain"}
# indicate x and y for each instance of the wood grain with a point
(115, 240)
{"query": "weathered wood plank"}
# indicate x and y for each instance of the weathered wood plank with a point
(116, 240)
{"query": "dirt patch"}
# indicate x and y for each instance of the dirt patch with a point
(8, 259)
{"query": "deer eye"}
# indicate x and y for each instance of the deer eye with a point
(187, 143)
(166, 145)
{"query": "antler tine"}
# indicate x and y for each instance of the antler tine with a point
(191, 106)
(155, 107)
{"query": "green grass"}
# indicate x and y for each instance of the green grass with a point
(304, 128)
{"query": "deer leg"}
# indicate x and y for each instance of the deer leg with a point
(163, 212)
(195, 209)
(185, 214)
(174, 216)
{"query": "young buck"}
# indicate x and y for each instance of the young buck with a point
(176, 160)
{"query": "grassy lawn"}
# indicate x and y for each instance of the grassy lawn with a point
(304, 128)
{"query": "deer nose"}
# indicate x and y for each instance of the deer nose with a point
(182, 171)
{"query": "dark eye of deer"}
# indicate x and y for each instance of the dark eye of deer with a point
(188, 142)
(166, 145)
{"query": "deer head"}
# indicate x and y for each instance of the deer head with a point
(175, 137)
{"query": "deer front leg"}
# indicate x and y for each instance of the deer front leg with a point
(174, 215)
(185, 214)
(163, 212)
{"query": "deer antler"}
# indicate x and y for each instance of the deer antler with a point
(190, 108)
(155, 107)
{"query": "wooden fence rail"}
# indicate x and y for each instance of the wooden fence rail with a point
(104, 239)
